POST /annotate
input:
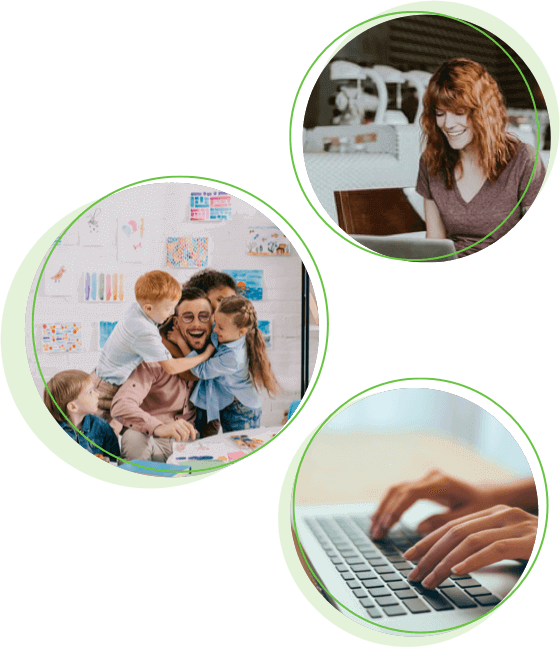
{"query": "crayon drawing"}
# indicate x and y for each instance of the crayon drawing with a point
(210, 205)
(93, 228)
(61, 337)
(130, 239)
(200, 206)
(249, 283)
(187, 252)
(57, 277)
(267, 241)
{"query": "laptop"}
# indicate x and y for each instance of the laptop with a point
(408, 247)
(367, 580)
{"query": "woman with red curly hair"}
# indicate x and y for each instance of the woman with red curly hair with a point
(473, 173)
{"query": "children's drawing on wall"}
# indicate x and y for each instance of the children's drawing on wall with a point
(130, 239)
(105, 329)
(93, 228)
(187, 252)
(210, 205)
(266, 329)
(249, 283)
(58, 276)
(103, 287)
(267, 241)
(61, 337)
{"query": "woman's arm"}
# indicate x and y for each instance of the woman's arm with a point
(434, 224)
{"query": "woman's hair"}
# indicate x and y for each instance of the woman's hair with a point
(207, 280)
(156, 286)
(64, 387)
(461, 85)
(245, 316)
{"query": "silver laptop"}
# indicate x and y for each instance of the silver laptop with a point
(367, 580)
(408, 247)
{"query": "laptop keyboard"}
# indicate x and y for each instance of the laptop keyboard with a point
(377, 573)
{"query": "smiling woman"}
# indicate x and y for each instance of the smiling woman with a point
(473, 172)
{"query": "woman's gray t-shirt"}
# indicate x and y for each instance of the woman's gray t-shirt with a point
(468, 222)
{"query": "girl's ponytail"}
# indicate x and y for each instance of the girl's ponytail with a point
(245, 316)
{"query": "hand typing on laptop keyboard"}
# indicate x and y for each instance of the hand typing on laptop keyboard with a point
(473, 533)
(377, 573)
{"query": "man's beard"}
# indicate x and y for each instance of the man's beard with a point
(203, 347)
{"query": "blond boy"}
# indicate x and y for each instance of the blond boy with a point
(70, 396)
(136, 338)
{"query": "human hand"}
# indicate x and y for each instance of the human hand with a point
(461, 498)
(471, 542)
(103, 458)
(178, 430)
(174, 335)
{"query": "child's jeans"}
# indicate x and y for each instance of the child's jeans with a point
(235, 417)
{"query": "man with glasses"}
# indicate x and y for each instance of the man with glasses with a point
(154, 407)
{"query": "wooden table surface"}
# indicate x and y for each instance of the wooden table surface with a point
(359, 467)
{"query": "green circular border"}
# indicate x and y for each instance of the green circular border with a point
(357, 26)
(286, 494)
(9, 329)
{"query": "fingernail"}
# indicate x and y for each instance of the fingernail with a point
(429, 582)
(458, 570)
(410, 553)
(413, 576)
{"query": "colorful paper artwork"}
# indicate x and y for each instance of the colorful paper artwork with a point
(57, 276)
(187, 252)
(130, 240)
(210, 205)
(61, 337)
(249, 283)
(266, 329)
(267, 241)
(101, 287)
(105, 329)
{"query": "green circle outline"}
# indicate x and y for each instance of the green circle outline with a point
(293, 504)
(290, 136)
(192, 177)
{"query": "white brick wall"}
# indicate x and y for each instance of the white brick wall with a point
(165, 208)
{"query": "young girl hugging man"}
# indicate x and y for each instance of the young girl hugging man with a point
(229, 382)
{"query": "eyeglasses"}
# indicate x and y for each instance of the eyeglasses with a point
(188, 317)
